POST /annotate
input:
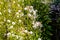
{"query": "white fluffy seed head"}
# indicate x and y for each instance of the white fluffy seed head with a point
(11, 27)
(20, 21)
(13, 23)
(31, 7)
(39, 38)
(8, 34)
(29, 15)
(25, 8)
(26, 31)
(17, 36)
(31, 10)
(31, 32)
(19, 10)
(36, 24)
(9, 10)
(34, 12)
(8, 21)
(18, 5)
(0, 13)
(14, 2)
(17, 16)
(13, 35)
(22, 14)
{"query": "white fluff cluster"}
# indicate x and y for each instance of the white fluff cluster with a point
(37, 24)
(13, 23)
(33, 14)
(13, 35)
(39, 38)
(9, 10)
(0, 13)
(8, 21)
(30, 32)
(11, 27)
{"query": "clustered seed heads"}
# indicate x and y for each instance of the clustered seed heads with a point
(17, 21)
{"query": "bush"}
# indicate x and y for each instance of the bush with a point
(24, 20)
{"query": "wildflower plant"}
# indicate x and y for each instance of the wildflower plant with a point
(18, 21)
(43, 9)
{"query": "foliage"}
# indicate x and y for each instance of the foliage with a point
(43, 16)
(24, 20)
